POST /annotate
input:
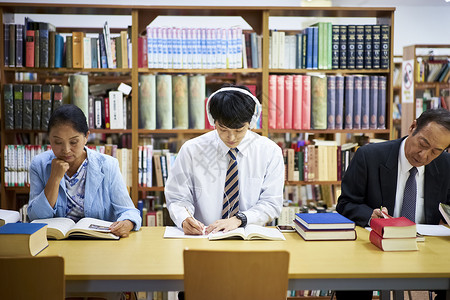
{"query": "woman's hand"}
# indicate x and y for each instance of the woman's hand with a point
(59, 168)
(121, 228)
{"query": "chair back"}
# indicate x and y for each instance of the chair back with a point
(235, 275)
(32, 278)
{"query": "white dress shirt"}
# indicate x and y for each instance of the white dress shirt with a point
(197, 179)
(403, 173)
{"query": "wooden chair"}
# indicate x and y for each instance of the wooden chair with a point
(32, 278)
(224, 275)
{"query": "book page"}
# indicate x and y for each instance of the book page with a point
(433, 230)
(92, 227)
(260, 232)
(9, 216)
(57, 227)
(173, 232)
(238, 232)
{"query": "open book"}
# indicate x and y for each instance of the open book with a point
(250, 232)
(445, 211)
(61, 228)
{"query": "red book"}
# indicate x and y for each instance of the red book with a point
(399, 244)
(280, 102)
(29, 49)
(207, 125)
(394, 227)
(306, 102)
(297, 103)
(142, 52)
(288, 99)
(272, 101)
(107, 120)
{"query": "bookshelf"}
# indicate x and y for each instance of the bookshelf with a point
(419, 87)
(257, 17)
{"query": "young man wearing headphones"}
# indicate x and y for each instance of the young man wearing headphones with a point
(229, 177)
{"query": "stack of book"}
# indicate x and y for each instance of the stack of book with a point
(393, 234)
(324, 226)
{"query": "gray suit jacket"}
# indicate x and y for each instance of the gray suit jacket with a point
(371, 182)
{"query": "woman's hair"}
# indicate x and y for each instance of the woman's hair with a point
(69, 114)
(439, 116)
(232, 109)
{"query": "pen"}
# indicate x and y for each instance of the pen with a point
(190, 215)
(385, 215)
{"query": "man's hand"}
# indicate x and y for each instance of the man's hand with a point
(378, 213)
(192, 226)
(224, 225)
(121, 228)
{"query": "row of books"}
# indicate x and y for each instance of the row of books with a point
(327, 102)
(38, 45)
(309, 293)
(29, 106)
(154, 165)
(18, 159)
(433, 69)
(308, 195)
(198, 48)
(327, 46)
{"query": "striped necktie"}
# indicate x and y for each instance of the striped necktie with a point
(231, 192)
(409, 196)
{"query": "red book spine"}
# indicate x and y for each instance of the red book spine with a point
(306, 100)
(280, 102)
(107, 121)
(376, 239)
(29, 49)
(297, 103)
(207, 125)
(288, 98)
(272, 101)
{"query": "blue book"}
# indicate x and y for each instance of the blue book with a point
(309, 48)
(348, 101)
(315, 58)
(59, 51)
(324, 221)
(23, 239)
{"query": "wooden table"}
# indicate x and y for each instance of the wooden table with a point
(146, 261)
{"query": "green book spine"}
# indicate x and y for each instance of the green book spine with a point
(319, 101)
(164, 102)
(18, 105)
(147, 101)
(69, 61)
(180, 102)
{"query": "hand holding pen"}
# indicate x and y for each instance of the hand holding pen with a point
(381, 212)
(192, 226)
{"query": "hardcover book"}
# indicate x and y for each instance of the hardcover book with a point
(373, 102)
(22, 239)
(381, 112)
(394, 227)
(324, 221)
(147, 101)
(339, 102)
(357, 101)
(272, 115)
(9, 216)
(359, 44)
(351, 46)
(29, 49)
(376, 46)
(343, 46)
(368, 45)
(385, 44)
(77, 50)
(331, 102)
(62, 228)
(365, 102)
(323, 234)
(18, 106)
(79, 91)
(8, 101)
(397, 244)
(280, 102)
(348, 101)
(297, 102)
(115, 110)
(288, 100)
(37, 106)
(27, 116)
(46, 106)
(164, 102)
(180, 102)
(319, 102)
(197, 95)
(69, 52)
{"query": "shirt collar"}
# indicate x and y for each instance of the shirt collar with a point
(404, 164)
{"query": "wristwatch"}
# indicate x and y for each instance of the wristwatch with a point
(241, 217)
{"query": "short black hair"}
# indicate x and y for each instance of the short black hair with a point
(439, 116)
(69, 114)
(232, 109)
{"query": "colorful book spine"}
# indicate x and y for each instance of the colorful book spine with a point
(351, 46)
(272, 115)
(288, 100)
(29, 49)
(331, 102)
(376, 46)
(297, 102)
(306, 97)
(59, 51)
(18, 106)
(280, 102)
(319, 102)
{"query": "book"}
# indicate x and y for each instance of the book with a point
(164, 102)
(197, 95)
(27, 107)
(22, 239)
(8, 101)
(397, 244)
(115, 110)
(394, 227)
(37, 106)
(324, 234)
(147, 101)
(18, 106)
(324, 221)
(46, 105)
(9, 216)
(29, 49)
(62, 228)
(445, 211)
(79, 91)
(69, 52)
(180, 102)
(249, 232)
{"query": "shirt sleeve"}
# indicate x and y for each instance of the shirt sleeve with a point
(270, 202)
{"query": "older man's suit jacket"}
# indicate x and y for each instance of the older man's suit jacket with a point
(371, 182)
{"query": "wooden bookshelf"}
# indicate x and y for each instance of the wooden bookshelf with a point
(256, 17)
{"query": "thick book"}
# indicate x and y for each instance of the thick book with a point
(288, 100)
(280, 102)
(339, 117)
(8, 100)
(331, 101)
(359, 44)
(6, 41)
(249, 232)
(351, 46)
(180, 93)
(57, 96)
(381, 112)
(357, 101)
(37, 106)
(343, 46)
(51, 49)
(115, 110)
(324, 234)
(147, 101)
(62, 228)
(445, 212)
(19, 45)
(59, 50)
(394, 227)
(373, 102)
(348, 101)
(164, 102)
(29, 49)
(79, 91)
(46, 106)
(376, 46)
(197, 95)
(12, 45)
(18, 106)
(9, 216)
(398, 244)
(297, 102)
(272, 114)
(43, 48)
(27, 108)
(335, 46)
(324, 221)
(385, 45)
(69, 52)
(368, 45)
(365, 102)
(22, 239)
(77, 50)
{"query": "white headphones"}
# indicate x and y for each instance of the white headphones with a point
(258, 106)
